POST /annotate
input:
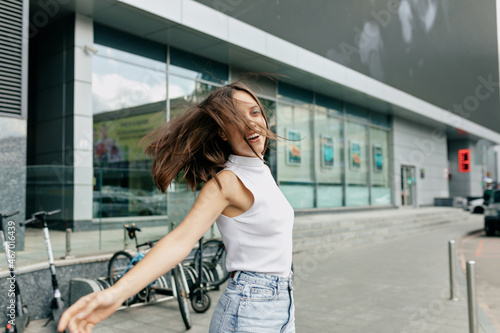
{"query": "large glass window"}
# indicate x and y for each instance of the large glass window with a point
(183, 93)
(336, 156)
(381, 191)
(122, 80)
(358, 165)
(129, 101)
(295, 155)
(329, 157)
(191, 78)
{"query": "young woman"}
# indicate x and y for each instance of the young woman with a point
(219, 142)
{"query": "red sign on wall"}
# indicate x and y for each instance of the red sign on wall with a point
(464, 160)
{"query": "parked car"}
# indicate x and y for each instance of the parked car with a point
(492, 214)
(476, 206)
(120, 204)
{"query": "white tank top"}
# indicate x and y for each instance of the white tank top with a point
(260, 239)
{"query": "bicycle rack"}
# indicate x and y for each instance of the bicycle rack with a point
(79, 287)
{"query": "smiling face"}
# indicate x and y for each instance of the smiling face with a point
(253, 115)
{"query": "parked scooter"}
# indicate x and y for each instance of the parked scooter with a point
(198, 293)
(17, 313)
(57, 304)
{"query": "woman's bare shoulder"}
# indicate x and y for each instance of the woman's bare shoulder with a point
(230, 184)
(227, 178)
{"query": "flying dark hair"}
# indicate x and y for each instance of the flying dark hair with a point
(191, 144)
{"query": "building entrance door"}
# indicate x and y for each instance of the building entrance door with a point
(407, 186)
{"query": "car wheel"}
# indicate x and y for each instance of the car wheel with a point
(478, 210)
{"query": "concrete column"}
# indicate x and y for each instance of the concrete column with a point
(82, 121)
(13, 172)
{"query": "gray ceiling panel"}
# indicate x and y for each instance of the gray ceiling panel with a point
(130, 21)
(182, 38)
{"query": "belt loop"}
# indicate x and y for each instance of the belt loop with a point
(236, 275)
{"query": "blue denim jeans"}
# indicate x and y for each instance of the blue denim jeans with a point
(255, 303)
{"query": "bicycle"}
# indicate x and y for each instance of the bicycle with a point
(57, 304)
(17, 321)
(121, 262)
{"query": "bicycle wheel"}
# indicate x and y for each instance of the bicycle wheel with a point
(182, 296)
(214, 257)
(159, 286)
(117, 267)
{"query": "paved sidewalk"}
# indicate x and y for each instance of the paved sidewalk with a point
(397, 286)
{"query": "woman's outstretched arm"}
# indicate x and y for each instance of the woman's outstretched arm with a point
(166, 254)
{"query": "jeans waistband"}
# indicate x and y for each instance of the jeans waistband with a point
(264, 279)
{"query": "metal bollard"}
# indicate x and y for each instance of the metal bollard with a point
(471, 296)
(68, 244)
(452, 256)
(125, 243)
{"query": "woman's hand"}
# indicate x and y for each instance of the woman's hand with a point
(90, 310)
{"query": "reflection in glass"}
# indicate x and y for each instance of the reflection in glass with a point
(117, 135)
(126, 192)
(381, 191)
(294, 94)
(127, 57)
(183, 93)
(329, 157)
(196, 67)
(358, 164)
(119, 84)
(129, 101)
(295, 155)
(52, 187)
